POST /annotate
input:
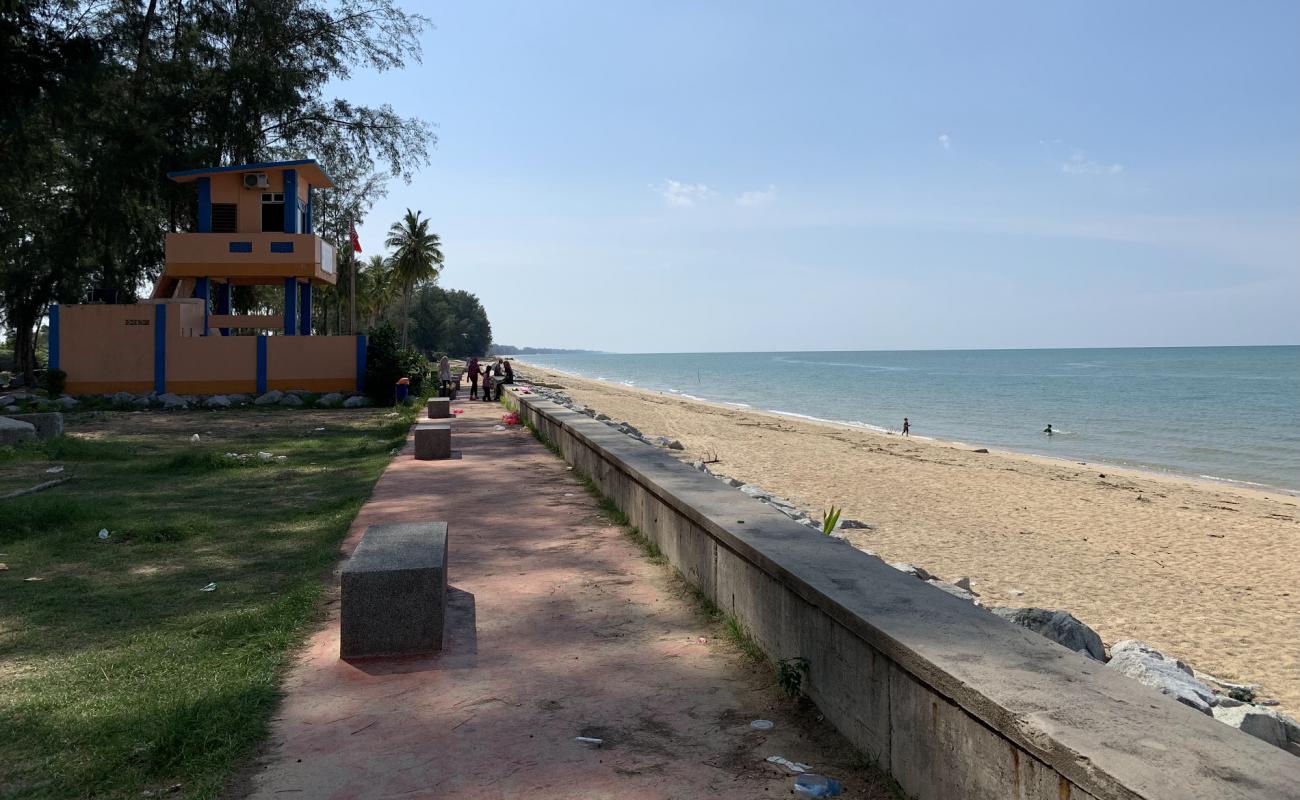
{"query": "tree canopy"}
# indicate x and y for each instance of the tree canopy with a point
(103, 99)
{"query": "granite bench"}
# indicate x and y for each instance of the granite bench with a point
(439, 407)
(394, 591)
(432, 441)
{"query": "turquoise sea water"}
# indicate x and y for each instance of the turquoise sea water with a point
(1224, 413)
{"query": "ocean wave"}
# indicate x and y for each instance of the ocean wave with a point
(874, 367)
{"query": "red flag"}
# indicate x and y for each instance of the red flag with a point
(356, 240)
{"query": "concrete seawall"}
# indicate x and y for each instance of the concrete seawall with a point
(952, 701)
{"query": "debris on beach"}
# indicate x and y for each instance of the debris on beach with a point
(810, 785)
(793, 766)
(211, 587)
(761, 725)
(103, 533)
(591, 740)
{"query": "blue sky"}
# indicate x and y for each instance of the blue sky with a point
(716, 176)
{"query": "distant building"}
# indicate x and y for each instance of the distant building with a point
(254, 229)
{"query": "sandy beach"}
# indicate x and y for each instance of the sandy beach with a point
(1205, 572)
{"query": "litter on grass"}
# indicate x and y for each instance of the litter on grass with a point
(194, 438)
(54, 470)
(211, 587)
(103, 533)
(761, 724)
(793, 766)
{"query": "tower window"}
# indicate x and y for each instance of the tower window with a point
(225, 217)
(272, 212)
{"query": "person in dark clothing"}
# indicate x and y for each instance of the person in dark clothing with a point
(471, 367)
(510, 372)
(907, 427)
(487, 384)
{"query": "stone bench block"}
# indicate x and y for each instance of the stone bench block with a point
(48, 424)
(432, 441)
(394, 591)
(13, 431)
(439, 407)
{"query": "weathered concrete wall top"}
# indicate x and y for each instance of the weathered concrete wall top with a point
(1107, 735)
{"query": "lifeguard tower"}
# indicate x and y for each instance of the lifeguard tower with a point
(254, 227)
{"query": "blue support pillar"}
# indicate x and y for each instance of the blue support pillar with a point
(311, 225)
(261, 364)
(53, 339)
(290, 306)
(201, 291)
(160, 348)
(304, 309)
(361, 362)
(291, 201)
(223, 303)
(205, 205)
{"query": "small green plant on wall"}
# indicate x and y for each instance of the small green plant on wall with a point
(790, 673)
(830, 520)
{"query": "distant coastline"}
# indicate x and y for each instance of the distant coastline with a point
(510, 350)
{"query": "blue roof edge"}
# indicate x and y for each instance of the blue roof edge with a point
(185, 173)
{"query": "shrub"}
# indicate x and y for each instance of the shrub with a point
(386, 362)
(56, 380)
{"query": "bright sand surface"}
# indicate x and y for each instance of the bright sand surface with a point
(1207, 573)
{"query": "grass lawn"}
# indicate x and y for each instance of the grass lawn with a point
(118, 675)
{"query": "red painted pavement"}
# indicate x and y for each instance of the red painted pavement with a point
(558, 628)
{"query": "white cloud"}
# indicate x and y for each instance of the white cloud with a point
(682, 195)
(1079, 164)
(757, 197)
(945, 141)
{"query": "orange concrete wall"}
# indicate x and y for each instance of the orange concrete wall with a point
(228, 187)
(208, 255)
(315, 363)
(212, 364)
(107, 348)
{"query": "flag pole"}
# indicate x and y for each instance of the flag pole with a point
(352, 284)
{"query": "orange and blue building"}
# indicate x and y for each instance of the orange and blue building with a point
(254, 227)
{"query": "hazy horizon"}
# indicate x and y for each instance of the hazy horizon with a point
(733, 177)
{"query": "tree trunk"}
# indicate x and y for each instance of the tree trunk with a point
(406, 315)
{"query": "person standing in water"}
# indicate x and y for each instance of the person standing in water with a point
(907, 427)
(1048, 429)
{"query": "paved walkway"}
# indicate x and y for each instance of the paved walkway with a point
(559, 628)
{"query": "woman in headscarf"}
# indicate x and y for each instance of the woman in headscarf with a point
(444, 376)
(471, 367)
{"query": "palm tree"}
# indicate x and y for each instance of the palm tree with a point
(417, 257)
(375, 290)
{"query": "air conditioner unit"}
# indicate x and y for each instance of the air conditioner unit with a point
(255, 180)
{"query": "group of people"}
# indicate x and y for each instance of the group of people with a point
(493, 376)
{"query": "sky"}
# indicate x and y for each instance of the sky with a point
(760, 176)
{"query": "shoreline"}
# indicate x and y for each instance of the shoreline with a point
(1157, 473)
(1201, 570)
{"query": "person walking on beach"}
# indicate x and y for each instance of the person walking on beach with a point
(907, 427)
(487, 384)
(471, 367)
(1048, 429)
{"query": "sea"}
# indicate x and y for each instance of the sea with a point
(1227, 414)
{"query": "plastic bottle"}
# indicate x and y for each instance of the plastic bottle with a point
(810, 785)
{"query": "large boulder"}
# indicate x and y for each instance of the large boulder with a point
(1262, 723)
(47, 424)
(356, 401)
(331, 400)
(1060, 626)
(270, 398)
(13, 431)
(123, 398)
(290, 400)
(912, 569)
(69, 402)
(1147, 665)
(217, 401)
(172, 401)
(952, 589)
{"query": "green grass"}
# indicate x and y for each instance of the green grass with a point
(117, 675)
